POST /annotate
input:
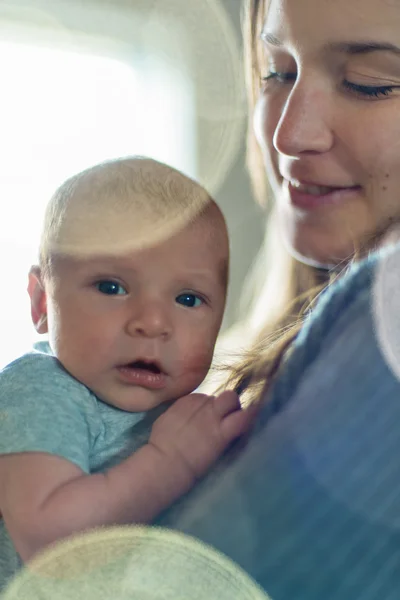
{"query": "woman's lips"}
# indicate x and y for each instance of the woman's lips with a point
(309, 197)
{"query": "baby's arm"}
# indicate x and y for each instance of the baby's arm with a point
(44, 498)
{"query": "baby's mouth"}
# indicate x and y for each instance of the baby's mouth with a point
(145, 373)
(151, 367)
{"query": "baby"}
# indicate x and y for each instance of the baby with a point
(96, 426)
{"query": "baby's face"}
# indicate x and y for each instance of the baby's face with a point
(140, 330)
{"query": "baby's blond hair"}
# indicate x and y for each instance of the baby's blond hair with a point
(119, 206)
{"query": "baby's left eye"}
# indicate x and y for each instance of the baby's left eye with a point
(110, 288)
(189, 300)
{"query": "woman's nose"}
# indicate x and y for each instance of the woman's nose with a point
(150, 319)
(305, 124)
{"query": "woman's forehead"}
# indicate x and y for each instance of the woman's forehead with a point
(322, 21)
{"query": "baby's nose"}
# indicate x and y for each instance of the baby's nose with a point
(150, 320)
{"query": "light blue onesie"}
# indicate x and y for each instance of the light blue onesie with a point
(44, 409)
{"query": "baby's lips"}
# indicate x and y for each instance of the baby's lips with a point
(151, 365)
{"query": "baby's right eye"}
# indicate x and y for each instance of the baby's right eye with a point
(110, 288)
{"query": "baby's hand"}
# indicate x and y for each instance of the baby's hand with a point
(197, 428)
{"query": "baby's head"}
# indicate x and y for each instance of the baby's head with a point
(132, 280)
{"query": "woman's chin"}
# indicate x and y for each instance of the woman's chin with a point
(326, 238)
(321, 251)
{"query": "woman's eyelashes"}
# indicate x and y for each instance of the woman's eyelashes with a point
(279, 77)
(364, 91)
(370, 91)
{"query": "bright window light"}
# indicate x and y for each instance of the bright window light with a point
(61, 112)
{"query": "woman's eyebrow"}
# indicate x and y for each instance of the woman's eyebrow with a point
(362, 47)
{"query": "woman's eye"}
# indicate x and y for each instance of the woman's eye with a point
(110, 288)
(189, 300)
(279, 77)
(369, 91)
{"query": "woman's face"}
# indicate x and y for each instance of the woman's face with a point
(328, 121)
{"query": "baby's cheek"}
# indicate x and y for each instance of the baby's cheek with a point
(196, 362)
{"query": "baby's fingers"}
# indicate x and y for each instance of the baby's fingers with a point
(226, 403)
(238, 422)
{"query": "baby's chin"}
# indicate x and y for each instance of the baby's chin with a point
(133, 400)
(136, 399)
(137, 389)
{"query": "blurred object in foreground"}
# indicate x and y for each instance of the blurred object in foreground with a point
(132, 563)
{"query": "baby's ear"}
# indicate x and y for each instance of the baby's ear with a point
(37, 295)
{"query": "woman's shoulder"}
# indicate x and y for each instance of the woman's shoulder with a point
(356, 317)
(356, 285)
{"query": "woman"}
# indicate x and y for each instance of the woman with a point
(323, 133)
(310, 505)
